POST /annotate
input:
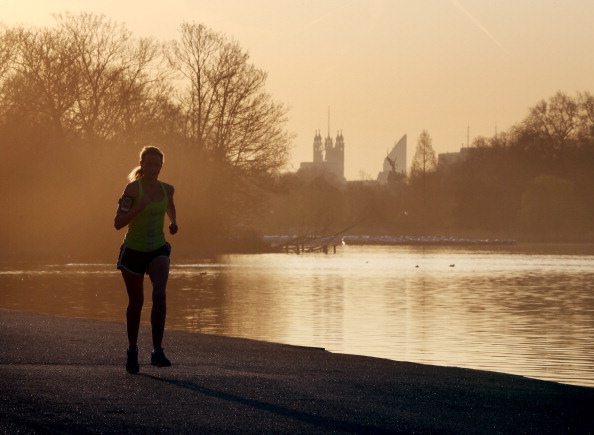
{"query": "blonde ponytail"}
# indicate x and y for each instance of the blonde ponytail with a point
(135, 174)
(137, 171)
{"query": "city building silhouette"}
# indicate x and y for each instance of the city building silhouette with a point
(394, 162)
(327, 155)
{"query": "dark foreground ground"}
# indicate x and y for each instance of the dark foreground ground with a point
(63, 375)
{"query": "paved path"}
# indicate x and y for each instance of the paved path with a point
(63, 375)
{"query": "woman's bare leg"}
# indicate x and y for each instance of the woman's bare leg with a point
(159, 274)
(135, 288)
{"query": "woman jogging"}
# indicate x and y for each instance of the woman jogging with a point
(142, 208)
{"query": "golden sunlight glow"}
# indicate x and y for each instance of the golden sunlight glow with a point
(385, 68)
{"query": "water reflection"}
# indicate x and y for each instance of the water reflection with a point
(513, 310)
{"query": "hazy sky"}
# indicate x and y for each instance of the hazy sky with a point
(384, 67)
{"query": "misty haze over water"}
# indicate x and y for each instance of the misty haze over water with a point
(520, 309)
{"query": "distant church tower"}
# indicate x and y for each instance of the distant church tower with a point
(329, 155)
(328, 145)
(335, 155)
(318, 151)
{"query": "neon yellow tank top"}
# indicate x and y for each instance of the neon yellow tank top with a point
(145, 232)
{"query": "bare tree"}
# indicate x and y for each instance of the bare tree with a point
(424, 165)
(586, 102)
(556, 121)
(86, 78)
(424, 160)
(229, 115)
(40, 78)
(7, 50)
(118, 76)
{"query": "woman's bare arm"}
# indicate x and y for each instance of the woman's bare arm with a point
(171, 212)
(123, 218)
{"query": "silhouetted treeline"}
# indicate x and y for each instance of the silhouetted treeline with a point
(79, 100)
(533, 182)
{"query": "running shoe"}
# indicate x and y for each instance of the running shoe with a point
(158, 358)
(132, 362)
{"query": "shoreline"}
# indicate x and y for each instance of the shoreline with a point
(278, 244)
(67, 375)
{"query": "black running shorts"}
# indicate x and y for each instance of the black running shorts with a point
(137, 261)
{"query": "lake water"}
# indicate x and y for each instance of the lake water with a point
(526, 310)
